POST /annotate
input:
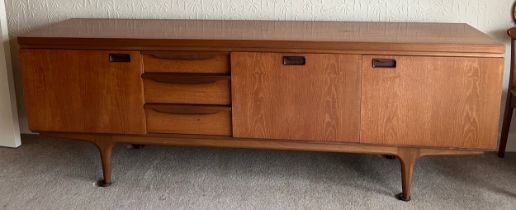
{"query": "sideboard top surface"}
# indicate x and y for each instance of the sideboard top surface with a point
(245, 34)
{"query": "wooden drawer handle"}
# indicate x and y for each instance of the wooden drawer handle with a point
(185, 78)
(384, 63)
(187, 109)
(294, 60)
(183, 56)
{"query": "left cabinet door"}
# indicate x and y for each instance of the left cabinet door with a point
(85, 91)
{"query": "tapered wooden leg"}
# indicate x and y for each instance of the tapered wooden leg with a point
(505, 126)
(106, 151)
(407, 157)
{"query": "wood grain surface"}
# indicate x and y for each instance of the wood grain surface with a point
(316, 101)
(188, 119)
(186, 62)
(276, 144)
(252, 34)
(81, 91)
(432, 101)
(215, 92)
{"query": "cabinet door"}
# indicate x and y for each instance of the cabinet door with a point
(83, 91)
(432, 101)
(317, 99)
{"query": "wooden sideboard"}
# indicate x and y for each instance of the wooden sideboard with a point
(402, 89)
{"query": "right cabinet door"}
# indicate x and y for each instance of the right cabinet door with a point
(431, 101)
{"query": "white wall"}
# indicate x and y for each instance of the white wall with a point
(490, 16)
(9, 129)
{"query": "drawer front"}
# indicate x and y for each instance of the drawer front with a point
(189, 119)
(186, 62)
(431, 101)
(187, 90)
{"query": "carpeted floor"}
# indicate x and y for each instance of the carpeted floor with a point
(49, 174)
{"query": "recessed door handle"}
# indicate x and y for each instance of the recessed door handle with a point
(119, 58)
(294, 60)
(384, 63)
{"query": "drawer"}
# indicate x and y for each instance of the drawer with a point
(186, 62)
(188, 119)
(187, 89)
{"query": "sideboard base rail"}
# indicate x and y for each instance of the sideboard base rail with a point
(406, 155)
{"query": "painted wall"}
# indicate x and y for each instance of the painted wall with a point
(9, 129)
(490, 16)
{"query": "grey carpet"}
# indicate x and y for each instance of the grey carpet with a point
(49, 174)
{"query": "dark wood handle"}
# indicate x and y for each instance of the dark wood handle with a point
(384, 63)
(512, 32)
(190, 79)
(183, 56)
(294, 60)
(187, 109)
(119, 58)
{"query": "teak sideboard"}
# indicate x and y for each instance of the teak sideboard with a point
(402, 89)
